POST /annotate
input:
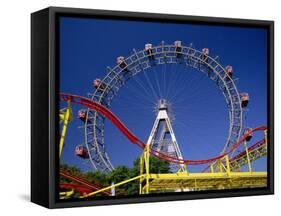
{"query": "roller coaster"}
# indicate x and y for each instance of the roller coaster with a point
(223, 171)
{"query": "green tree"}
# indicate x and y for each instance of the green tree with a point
(120, 173)
(70, 169)
(155, 166)
(97, 177)
(158, 166)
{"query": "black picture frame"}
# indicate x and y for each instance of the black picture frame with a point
(44, 105)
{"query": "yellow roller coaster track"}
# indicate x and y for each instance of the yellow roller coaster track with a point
(223, 178)
(66, 194)
(255, 153)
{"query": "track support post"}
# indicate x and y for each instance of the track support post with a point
(248, 157)
(65, 117)
(265, 136)
(144, 171)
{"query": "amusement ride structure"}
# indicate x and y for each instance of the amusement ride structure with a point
(162, 136)
(222, 172)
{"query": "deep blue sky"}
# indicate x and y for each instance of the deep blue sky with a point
(89, 45)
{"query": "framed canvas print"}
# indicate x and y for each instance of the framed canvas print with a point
(139, 107)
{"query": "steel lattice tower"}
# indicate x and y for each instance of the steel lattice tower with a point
(162, 137)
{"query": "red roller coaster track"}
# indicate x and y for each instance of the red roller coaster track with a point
(85, 187)
(135, 140)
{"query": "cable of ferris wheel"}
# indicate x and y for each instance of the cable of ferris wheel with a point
(151, 86)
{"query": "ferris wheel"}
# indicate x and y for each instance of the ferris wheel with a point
(139, 61)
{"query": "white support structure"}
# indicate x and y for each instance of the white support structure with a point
(162, 137)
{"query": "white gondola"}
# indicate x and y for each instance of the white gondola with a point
(148, 50)
(178, 46)
(229, 70)
(244, 99)
(205, 55)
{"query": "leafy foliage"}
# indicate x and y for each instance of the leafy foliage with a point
(120, 173)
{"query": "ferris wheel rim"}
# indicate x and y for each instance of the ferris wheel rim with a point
(192, 54)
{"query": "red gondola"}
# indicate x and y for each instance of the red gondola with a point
(121, 62)
(81, 151)
(248, 133)
(229, 70)
(82, 115)
(97, 83)
(244, 99)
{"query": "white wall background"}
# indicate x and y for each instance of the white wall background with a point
(15, 106)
